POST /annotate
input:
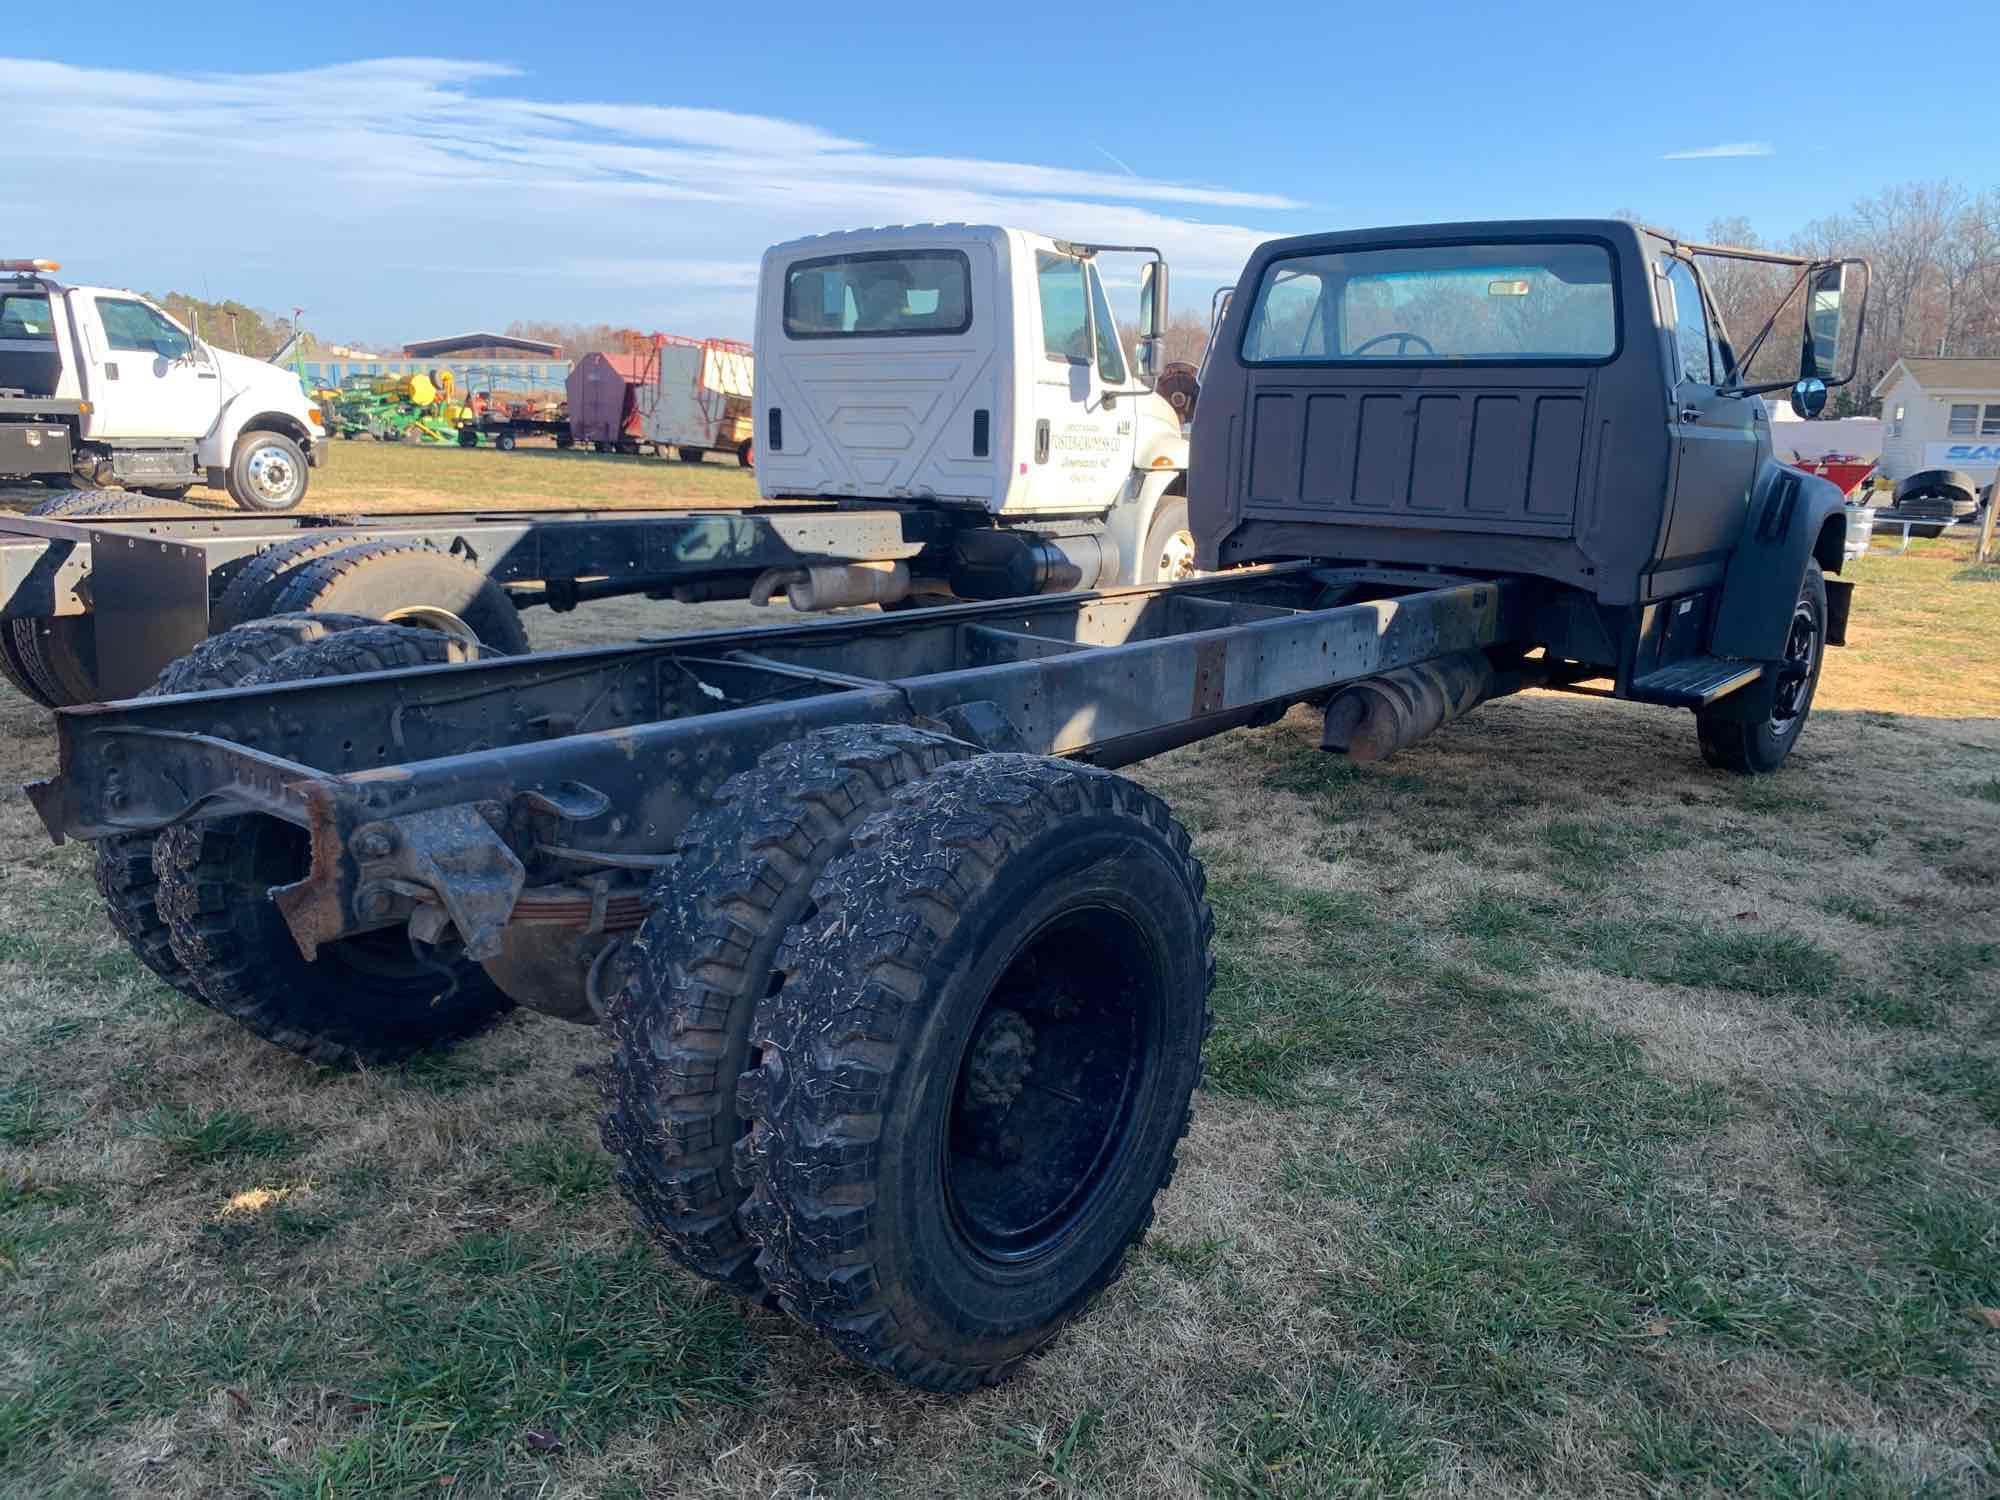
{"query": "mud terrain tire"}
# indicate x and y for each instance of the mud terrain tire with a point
(366, 999)
(744, 873)
(972, 1083)
(124, 864)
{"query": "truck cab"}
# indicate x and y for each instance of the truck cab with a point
(143, 401)
(977, 371)
(1555, 401)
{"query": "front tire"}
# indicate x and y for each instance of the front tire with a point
(267, 472)
(1169, 554)
(1752, 731)
(971, 1086)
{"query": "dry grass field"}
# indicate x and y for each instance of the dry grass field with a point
(1579, 1121)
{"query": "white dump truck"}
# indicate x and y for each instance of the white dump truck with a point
(976, 375)
(100, 387)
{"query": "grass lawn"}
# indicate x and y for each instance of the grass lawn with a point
(381, 478)
(1579, 1121)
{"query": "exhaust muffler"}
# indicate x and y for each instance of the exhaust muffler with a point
(1378, 716)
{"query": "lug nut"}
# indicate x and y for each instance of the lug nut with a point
(374, 844)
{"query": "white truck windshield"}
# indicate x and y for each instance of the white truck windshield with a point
(879, 295)
(1436, 303)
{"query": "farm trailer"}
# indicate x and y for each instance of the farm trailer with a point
(906, 990)
(690, 395)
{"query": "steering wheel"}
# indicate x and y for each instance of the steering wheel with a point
(1403, 342)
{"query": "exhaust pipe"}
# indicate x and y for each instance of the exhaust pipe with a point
(1378, 716)
(834, 585)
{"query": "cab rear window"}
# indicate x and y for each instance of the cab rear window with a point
(25, 316)
(880, 294)
(1437, 304)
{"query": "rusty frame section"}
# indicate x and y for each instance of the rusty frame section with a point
(436, 795)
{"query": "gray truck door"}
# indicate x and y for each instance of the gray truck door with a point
(1715, 438)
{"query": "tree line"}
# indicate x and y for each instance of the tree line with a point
(1933, 250)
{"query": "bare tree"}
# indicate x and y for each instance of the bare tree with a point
(1187, 339)
(1968, 261)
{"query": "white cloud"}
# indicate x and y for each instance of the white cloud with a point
(341, 187)
(1732, 148)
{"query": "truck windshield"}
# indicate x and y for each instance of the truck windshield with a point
(879, 294)
(1436, 304)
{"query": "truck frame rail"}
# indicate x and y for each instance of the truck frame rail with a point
(452, 788)
(149, 583)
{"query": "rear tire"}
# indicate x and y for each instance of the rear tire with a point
(407, 582)
(972, 1083)
(57, 655)
(124, 865)
(691, 455)
(680, 1029)
(366, 999)
(1752, 730)
(267, 472)
(253, 592)
(504, 442)
(746, 454)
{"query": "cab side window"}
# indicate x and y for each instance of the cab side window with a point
(1691, 340)
(1110, 356)
(136, 328)
(1065, 308)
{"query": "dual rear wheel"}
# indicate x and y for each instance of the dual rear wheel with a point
(911, 1042)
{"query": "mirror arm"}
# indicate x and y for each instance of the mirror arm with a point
(1762, 388)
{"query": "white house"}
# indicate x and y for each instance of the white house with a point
(1940, 414)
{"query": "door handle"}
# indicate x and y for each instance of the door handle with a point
(1690, 413)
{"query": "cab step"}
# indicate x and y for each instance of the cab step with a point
(1695, 681)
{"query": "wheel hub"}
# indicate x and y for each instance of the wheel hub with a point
(1796, 670)
(1177, 557)
(996, 1070)
(271, 472)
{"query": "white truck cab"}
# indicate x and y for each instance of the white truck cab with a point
(146, 403)
(978, 370)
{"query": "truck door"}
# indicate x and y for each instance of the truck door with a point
(1081, 452)
(1715, 436)
(145, 376)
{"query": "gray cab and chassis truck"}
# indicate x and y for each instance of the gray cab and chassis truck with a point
(905, 989)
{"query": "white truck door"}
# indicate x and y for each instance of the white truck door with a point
(145, 375)
(1082, 444)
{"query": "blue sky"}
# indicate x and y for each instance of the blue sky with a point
(400, 172)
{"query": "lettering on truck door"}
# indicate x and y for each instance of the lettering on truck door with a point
(1082, 447)
(148, 377)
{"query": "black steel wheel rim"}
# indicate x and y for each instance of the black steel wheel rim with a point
(1044, 1104)
(1795, 670)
